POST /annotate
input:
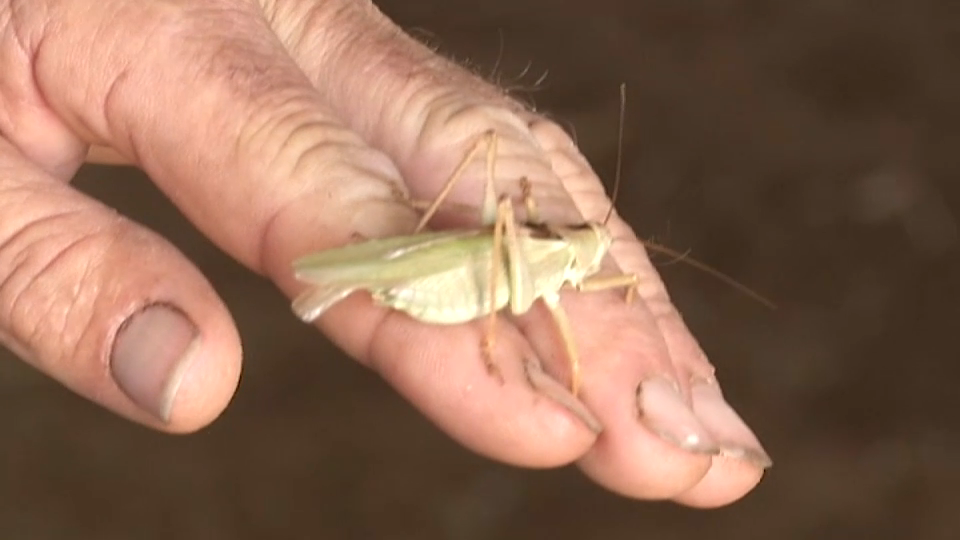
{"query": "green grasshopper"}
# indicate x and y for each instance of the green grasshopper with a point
(456, 276)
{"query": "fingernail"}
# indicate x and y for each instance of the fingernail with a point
(151, 354)
(733, 437)
(663, 411)
(549, 387)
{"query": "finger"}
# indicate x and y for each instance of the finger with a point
(424, 112)
(742, 461)
(107, 308)
(266, 169)
(741, 458)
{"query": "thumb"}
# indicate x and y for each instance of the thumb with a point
(107, 308)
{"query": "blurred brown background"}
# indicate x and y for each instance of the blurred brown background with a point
(806, 148)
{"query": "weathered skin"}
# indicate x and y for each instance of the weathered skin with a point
(282, 128)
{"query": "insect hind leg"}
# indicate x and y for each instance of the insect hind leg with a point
(602, 283)
(488, 342)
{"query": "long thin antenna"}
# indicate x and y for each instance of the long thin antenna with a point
(616, 177)
(653, 246)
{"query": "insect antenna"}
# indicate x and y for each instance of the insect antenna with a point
(659, 248)
(616, 175)
(683, 257)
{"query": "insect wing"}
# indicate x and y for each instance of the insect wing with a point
(547, 261)
(314, 301)
(453, 284)
(380, 260)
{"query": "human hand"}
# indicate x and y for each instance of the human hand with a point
(282, 128)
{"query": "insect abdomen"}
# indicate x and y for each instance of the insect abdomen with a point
(450, 297)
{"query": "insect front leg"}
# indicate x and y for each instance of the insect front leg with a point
(489, 336)
(628, 281)
(566, 335)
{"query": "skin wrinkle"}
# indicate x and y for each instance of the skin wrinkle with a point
(103, 34)
(23, 231)
(266, 128)
(335, 177)
(34, 234)
(86, 284)
(412, 70)
(445, 115)
(23, 129)
(255, 129)
(7, 29)
(397, 91)
(319, 19)
(44, 320)
(236, 67)
(123, 72)
(335, 141)
(37, 276)
(113, 92)
(307, 156)
(28, 190)
(14, 18)
(32, 327)
(419, 121)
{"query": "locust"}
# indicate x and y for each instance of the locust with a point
(455, 276)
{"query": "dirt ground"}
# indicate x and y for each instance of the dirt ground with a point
(807, 148)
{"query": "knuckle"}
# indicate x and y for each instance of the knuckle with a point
(326, 156)
(317, 163)
(455, 123)
(458, 120)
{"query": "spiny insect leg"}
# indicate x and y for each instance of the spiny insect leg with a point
(566, 334)
(628, 281)
(489, 138)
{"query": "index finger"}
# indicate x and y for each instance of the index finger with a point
(239, 138)
(640, 363)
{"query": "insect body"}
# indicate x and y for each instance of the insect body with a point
(451, 277)
(443, 277)
(455, 276)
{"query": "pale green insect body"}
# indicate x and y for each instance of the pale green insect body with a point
(444, 277)
(452, 277)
